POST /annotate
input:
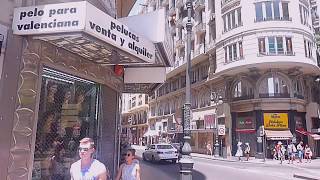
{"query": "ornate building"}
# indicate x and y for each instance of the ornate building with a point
(254, 72)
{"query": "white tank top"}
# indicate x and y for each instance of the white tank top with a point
(129, 172)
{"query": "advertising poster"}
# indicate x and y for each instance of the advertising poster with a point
(3, 38)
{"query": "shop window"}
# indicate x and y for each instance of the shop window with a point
(68, 112)
(274, 86)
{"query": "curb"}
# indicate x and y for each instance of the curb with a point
(308, 177)
(227, 160)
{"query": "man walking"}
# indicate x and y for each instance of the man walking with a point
(87, 168)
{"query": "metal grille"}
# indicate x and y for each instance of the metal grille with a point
(67, 113)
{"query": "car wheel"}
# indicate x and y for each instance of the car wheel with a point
(174, 161)
(153, 159)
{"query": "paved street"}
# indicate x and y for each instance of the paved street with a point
(206, 169)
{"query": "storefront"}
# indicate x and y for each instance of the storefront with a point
(276, 129)
(245, 130)
(67, 85)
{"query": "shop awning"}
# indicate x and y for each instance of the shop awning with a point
(302, 131)
(278, 135)
(315, 136)
(306, 133)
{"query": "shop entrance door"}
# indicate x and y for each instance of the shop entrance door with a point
(68, 112)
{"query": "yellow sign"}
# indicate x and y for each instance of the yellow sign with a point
(276, 120)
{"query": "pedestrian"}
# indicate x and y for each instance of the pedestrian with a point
(247, 150)
(239, 152)
(280, 151)
(291, 152)
(209, 148)
(308, 153)
(130, 170)
(87, 167)
(300, 151)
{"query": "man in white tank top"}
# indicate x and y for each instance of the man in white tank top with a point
(87, 168)
(130, 170)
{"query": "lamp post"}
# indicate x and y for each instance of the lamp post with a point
(216, 99)
(186, 162)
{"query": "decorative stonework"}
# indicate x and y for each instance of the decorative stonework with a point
(35, 54)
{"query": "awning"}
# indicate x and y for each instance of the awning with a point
(151, 133)
(278, 135)
(304, 132)
(315, 136)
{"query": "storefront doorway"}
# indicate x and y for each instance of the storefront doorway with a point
(68, 112)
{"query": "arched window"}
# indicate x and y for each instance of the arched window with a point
(297, 89)
(274, 86)
(242, 90)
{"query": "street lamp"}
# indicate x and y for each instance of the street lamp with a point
(216, 98)
(186, 162)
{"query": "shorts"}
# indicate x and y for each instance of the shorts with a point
(300, 154)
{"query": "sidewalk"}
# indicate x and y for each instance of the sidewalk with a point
(310, 171)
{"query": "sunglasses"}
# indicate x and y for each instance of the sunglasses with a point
(128, 155)
(83, 149)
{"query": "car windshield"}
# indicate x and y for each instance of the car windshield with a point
(164, 147)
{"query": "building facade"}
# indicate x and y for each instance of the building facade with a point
(62, 79)
(254, 68)
(134, 118)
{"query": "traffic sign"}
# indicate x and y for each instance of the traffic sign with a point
(221, 130)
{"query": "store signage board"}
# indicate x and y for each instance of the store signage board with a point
(82, 17)
(3, 39)
(276, 120)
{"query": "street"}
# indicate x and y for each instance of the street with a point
(206, 169)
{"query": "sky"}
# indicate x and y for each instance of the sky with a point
(136, 8)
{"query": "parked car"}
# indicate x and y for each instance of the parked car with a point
(158, 152)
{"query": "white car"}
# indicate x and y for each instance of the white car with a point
(158, 152)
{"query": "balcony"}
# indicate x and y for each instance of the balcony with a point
(199, 5)
(180, 43)
(179, 3)
(200, 28)
(274, 95)
(245, 97)
(226, 2)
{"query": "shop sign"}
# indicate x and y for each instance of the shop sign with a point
(275, 120)
(209, 121)
(3, 39)
(245, 123)
(81, 17)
